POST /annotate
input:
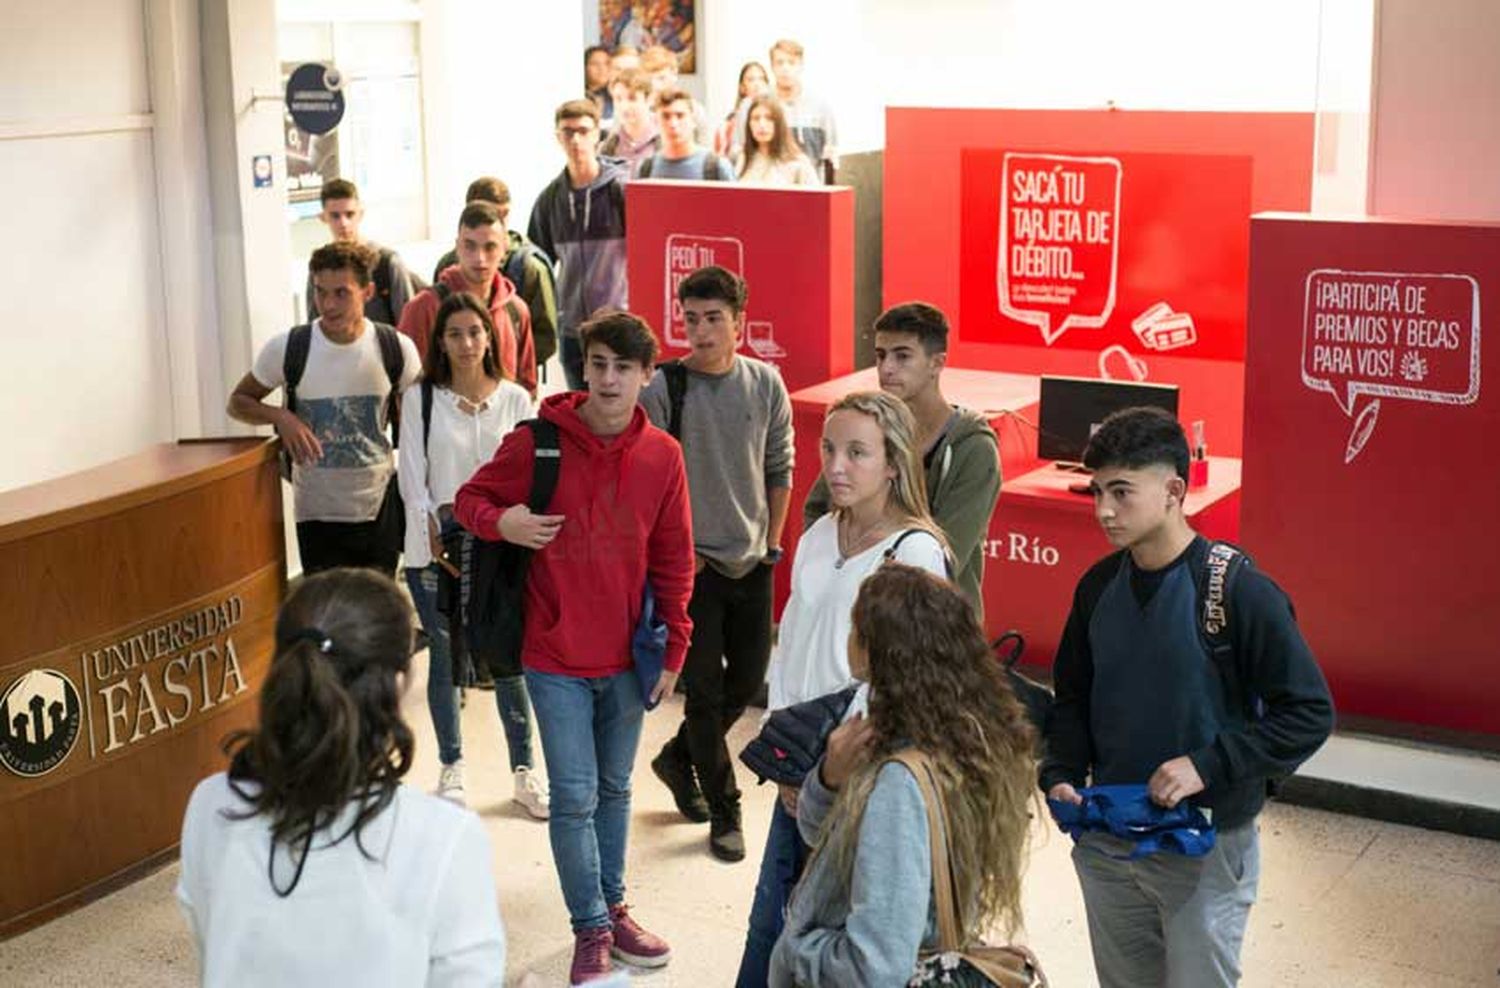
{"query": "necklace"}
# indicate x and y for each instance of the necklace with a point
(857, 543)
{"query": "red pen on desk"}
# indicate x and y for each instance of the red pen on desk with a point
(1198, 466)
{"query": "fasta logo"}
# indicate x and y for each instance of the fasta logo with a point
(39, 720)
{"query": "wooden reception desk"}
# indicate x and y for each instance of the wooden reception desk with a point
(136, 621)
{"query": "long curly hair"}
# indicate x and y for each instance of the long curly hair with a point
(935, 685)
(330, 732)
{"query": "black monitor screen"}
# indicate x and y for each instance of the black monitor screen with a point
(1073, 407)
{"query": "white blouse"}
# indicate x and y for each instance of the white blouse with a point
(458, 444)
(812, 649)
(421, 909)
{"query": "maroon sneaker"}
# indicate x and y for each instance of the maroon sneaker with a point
(591, 956)
(634, 945)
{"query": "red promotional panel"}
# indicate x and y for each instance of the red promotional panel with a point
(1177, 293)
(1123, 255)
(1368, 491)
(794, 247)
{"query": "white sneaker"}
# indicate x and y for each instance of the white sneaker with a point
(451, 783)
(531, 793)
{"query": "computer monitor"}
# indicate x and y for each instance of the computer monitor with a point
(1073, 407)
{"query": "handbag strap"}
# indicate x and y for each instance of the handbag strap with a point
(920, 766)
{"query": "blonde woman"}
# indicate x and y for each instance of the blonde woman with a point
(864, 910)
(873, 468)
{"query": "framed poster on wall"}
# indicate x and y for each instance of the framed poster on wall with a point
(643, 23)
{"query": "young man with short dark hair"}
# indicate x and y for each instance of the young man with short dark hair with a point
(1146, 696)
(618, 520)
(680, 156)
(343, 472)
(480, 244)
(525, 264)
(733, 417)
(579, 220)
(960, 452)
(394, 285)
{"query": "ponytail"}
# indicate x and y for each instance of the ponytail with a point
(330, 731)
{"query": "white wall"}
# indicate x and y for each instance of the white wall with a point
(1144, 54)
(1346, 38)
(82, 281)
(1436, 143)
(492, 75)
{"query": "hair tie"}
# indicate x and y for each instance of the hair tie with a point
(317, 637)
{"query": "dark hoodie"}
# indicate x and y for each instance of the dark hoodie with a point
(584, 231)
(626, 517)
(517, 350)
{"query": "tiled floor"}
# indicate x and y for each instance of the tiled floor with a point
(1343, 901)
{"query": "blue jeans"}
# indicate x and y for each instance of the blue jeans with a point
(780, 867)
(442, 696)
(590, 731)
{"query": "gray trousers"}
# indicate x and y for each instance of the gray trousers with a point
(1164, 920)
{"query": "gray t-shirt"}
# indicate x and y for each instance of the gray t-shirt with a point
(736, 443)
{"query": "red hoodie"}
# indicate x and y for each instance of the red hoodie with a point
(626, 516)
(517, 350)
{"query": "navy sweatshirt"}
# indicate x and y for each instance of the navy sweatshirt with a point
(1137, 685)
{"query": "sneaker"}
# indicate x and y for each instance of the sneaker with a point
(726, 841)
(634, 945)
(531, 793)
(451, 783)
(591, 949)
(677, 775)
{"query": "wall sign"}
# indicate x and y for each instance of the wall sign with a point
(315, 97)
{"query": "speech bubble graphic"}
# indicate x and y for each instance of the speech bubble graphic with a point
(1409, 336)
(1059, 241)
(1387, 334)
(686, 253)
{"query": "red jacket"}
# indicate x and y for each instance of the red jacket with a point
(626, 516)
(517, 350)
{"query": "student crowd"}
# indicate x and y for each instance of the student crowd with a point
(664, 490)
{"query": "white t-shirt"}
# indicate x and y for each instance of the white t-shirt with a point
(341, 397)
(457, 444)
(812, 649)
(423, 912)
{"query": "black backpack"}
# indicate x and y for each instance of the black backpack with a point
(492, 581)
(675, 371)
(294, 363)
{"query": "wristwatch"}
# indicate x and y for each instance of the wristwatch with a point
(774, 554)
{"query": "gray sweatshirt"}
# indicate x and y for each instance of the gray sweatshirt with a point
(867, 933)
(736, 444)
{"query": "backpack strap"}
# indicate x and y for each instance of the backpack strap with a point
(427, 390)
(546, 463)
(513, 312)
(711, 172)
(294, 362)
(645, 169)
(890, 552)
(1221, 566)
(677, 382)
(442, 291)
(395, 365)
(382, 274)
